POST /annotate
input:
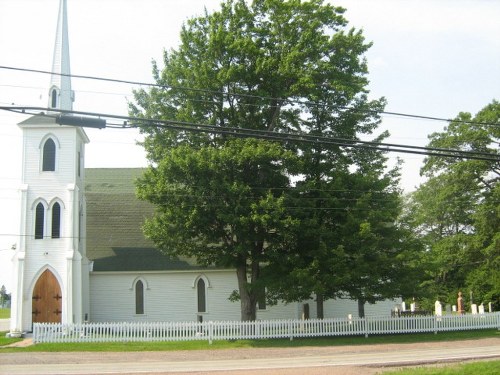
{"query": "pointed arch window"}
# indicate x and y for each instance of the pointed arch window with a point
(39, 221)
(49, 155)
(202, 295)
(56, 220)
(261, 299)
(79, 163)
(139, 297)
(53, 98)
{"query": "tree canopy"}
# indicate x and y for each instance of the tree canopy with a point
(456, 211)
(286, 67)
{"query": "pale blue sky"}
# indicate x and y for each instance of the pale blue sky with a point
(430, 57)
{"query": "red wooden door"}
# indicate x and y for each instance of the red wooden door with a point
(47, 299)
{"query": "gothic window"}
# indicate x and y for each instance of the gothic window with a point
(139, 297)
(80, 223)
(53, 98)
(39, 221)
(56, 220)
(261, 299)
(79, 163)
(49, 155)
(202, 296)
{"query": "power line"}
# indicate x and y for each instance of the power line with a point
(78, 91)
(135, 122)
(215, 92)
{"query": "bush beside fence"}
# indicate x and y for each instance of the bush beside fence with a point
(261, 329)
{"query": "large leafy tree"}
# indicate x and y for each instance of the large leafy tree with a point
(457, 211)
(350, 241)
(342, 191)
(281, 66)
(223, 206)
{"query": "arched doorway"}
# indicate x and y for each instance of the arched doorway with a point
(47, 299)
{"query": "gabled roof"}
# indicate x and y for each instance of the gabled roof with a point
(115, 216)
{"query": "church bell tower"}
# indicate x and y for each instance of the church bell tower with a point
(50, 266)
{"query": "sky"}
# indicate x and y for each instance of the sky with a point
(429, 57)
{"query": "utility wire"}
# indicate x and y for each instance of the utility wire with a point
(229, 94)
(135, 122)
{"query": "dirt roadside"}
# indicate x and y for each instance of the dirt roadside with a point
(243, 353)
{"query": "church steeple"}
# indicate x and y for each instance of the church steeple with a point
(50, 266)
(60, 94)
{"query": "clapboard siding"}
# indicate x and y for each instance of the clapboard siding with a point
(172, 296)
(167, 296)
(382, 308)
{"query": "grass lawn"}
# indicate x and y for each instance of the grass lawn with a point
(475, 368)
(4, 313)
(224, 344)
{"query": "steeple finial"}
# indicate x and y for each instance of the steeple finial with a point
(60, 94)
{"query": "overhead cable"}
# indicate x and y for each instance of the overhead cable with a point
(250, 96)
(136, 122)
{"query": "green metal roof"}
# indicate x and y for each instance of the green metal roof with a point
(115, 216)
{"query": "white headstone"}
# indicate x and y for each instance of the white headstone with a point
(412, 307)
(473, 308)
(454, 308)
(438, 309)
(403, 306)
(490, 307)
(481, 309)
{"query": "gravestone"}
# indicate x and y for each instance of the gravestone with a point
(460, 303)
(414, 306)
(473, 309)
(448, 308)
(438, 309)
(481, 309)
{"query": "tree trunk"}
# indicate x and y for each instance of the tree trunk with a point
(247, 300)
(361, 308)
(319, 306)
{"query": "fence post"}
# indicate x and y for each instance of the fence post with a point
(366, 326)
(290, 330)
(35, 333)
(210, 332)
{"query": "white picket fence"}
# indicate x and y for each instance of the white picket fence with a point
(262, 329)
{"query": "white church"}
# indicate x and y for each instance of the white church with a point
(81, 254)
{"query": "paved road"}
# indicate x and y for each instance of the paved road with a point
(367, 359)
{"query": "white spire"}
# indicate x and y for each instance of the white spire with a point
(60, 94)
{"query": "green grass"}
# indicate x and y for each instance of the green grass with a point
(6, 341)
(4, 313)
(224, 344)
(474, 368)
